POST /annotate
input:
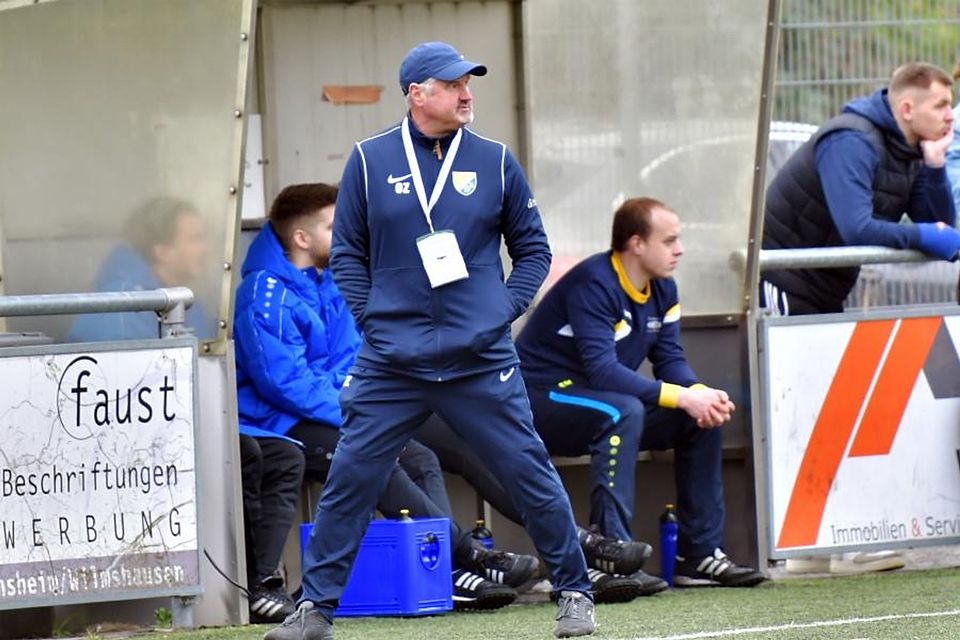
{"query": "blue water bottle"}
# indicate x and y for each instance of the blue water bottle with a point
(482, 535)
(668, 543)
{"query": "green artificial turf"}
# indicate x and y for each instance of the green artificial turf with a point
(820, 608)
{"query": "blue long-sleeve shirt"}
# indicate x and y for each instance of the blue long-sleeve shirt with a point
(953, 158)
(125, 269)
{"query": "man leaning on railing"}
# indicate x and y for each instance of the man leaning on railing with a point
(851, 183)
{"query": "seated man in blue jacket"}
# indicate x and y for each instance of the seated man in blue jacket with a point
(580, 351)
(295, 341)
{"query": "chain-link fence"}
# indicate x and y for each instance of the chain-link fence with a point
(834, 50)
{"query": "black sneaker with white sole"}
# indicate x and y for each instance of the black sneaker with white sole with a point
(269, 601)
(473, 592)
(715, 570)
(617, 557)
(511, 569)
(607, 588)
(649, 584)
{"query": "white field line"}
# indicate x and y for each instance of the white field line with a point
(726, 633)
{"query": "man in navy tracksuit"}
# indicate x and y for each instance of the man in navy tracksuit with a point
(416, 254)
(295, 343)
(854, 180)
(580, 351)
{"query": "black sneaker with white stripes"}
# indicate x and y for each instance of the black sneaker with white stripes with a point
(618, 557)
(714, 570)
(471, 591)
(501, 567)
(649, 584)
(607, 588)
(269, 602)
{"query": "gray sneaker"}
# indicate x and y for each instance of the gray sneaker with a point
(303, 624)
(574, 615)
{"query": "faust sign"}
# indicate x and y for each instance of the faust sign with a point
(97, 474)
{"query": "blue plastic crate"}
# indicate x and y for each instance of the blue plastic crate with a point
(402, 569)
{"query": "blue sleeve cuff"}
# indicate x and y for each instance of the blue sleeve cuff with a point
(913, 235)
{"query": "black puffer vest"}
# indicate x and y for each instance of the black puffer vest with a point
(797, 217)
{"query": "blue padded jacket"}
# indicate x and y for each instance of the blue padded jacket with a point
(294, 341)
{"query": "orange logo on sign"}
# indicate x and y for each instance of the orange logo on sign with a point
(912, 339)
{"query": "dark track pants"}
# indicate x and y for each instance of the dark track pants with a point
(456, 457)
(271, 473)
(784, 303)
(415, 482)
(612, 428)
(491, 413)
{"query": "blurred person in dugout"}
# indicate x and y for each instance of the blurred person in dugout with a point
(165, 245)
(953, 152)
(874, 175)
(295, 342)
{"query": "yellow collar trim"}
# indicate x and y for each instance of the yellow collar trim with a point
(639, 297)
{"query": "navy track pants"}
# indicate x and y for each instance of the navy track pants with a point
(612, 427)
(491, 412)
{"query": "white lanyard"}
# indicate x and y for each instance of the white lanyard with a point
(415, 170)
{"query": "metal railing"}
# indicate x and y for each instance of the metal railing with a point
(929, 280)
(170, 304)
(826, 257)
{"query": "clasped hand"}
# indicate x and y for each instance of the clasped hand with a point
(709, 407)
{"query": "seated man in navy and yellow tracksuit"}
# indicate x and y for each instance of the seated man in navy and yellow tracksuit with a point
(579, 354)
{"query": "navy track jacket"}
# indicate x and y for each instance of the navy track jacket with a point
(459, 329)
(594, 329)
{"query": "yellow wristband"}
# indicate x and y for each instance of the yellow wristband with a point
(669, 395)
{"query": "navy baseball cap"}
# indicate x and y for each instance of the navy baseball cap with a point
(435, 60)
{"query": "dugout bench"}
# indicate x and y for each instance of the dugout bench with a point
(713, 348)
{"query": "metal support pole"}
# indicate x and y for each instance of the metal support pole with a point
(182, 609)
(172, 321)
